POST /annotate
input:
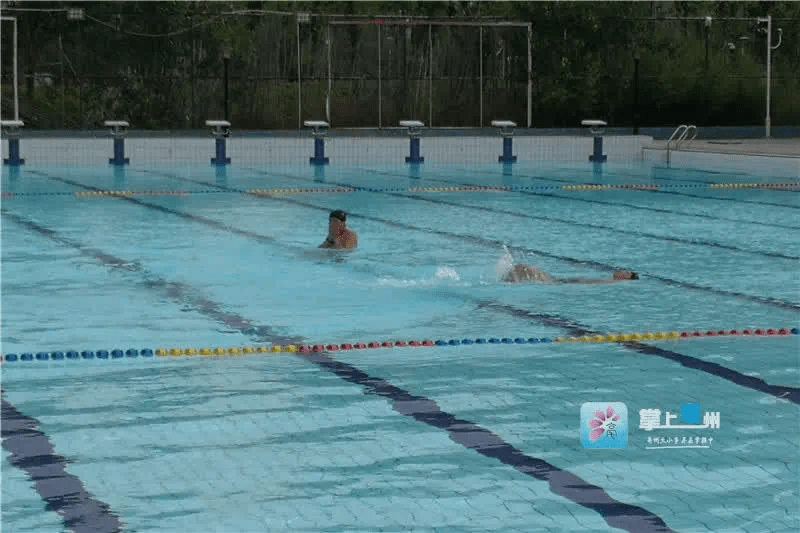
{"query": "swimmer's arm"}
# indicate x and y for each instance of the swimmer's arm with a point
(585, 280)
(328, 243)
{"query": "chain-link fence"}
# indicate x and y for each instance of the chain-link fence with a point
(175, 65)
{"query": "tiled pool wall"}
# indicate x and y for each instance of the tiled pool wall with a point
(369, 146)
(349, 149)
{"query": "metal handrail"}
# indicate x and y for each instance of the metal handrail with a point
(691, 129)
(683, 131)
(682, 128)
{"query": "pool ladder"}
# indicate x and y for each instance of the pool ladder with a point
(682, 134)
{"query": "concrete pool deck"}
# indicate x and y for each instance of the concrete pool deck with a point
(758, 147)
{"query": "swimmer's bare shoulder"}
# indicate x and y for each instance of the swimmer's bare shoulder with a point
(523, 272)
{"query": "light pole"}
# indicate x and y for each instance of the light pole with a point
(301, 18)
(636, 92)
(770, 48)
(708, 29)
(14, 51)
(227, 49)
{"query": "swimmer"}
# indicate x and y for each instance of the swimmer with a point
(522, 272)
(338, 235)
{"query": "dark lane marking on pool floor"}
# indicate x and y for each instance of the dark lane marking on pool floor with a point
(180, 293)
(468, 238)
(561, 482)
(595, 201)
(472, 436)
(439, 201)
(582, 262)
(717, 370)
(63, 492)
(791, 394)
(33, 453)
(676, 193)
(691, 242)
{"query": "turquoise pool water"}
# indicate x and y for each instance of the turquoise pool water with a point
(467, 437)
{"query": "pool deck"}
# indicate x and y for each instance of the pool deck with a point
(771, 147)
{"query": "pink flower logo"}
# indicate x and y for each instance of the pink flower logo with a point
(603, 421)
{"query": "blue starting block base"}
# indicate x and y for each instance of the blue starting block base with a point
(598, 156)
(318, 131)
(220, 159)
(220, 132)
(508, 152)
(118, 131)
(414, 132)
(13, 159)
(414, 156)
(507, 131)
(11, 132)
(319, 153)
(596, 128)
(119, 153)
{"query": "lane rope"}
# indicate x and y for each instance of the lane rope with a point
(332, 347)
(475, 188)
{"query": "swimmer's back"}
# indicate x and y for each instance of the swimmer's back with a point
(523, 272)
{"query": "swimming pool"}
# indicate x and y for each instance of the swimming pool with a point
(450, 436)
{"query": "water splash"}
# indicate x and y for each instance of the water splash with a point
(504, 264)
(444, 275)
(447, 273)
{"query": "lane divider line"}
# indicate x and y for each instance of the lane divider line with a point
(474, 188)
(332, 347)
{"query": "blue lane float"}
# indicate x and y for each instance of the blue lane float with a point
(221, 131)
(11, 131)
(596, 128)
(507, 131)
(318, 130)
(118, 131)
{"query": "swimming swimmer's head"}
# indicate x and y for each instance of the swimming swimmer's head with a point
(341, 215)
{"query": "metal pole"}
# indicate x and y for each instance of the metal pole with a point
(81, 68)
(16, 80)
(63, 86)
(480, 53)
(227, 115)
(430, 76)
(330, 82)
(379, 77)
(530, 77)
(299, 94)
(769, 69)
(636, 92)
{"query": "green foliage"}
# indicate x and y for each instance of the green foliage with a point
(160, 64)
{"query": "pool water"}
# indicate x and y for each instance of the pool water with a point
(460, 437)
